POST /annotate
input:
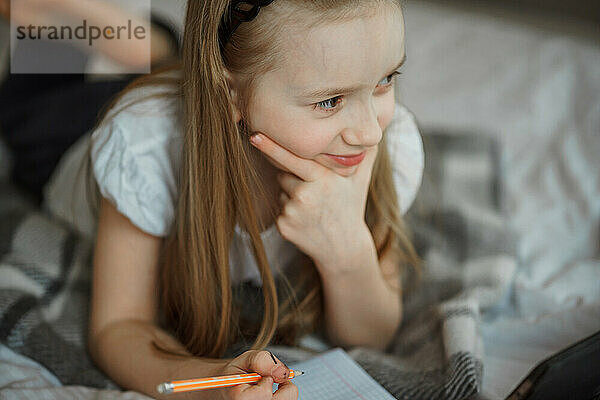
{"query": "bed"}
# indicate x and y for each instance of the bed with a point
(507, 221)
(529, 79)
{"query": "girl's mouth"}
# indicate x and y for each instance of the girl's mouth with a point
(348, 161)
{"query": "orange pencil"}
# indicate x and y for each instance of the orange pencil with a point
(213, 382)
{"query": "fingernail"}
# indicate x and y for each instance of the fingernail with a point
(256, 139)
(280, 372)
(273, 357)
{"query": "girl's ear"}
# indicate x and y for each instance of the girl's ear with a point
(231, 82)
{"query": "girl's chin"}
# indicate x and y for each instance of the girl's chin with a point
(346, 171)
(342, 171)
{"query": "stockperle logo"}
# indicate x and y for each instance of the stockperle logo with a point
(80, 36)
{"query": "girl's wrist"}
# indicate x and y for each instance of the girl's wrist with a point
(351, 257)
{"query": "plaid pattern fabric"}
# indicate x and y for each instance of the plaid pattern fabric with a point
(45, 272)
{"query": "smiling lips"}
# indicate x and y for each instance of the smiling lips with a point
(347, 161)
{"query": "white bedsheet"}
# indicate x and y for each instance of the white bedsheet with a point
(23, 378)
(533, 83)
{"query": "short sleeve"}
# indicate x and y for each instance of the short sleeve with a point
(134, 171)
(405, 148)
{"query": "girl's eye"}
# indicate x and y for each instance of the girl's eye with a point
(387, 81)
(329, 104)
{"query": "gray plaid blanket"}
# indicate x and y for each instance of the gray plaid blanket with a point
(458, 228)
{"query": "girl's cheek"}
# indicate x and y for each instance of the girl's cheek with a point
(387, 114)
(311, 143)
(386, 120)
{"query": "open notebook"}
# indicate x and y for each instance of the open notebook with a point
(334, 375)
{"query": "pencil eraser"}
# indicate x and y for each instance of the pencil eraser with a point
(164, 388)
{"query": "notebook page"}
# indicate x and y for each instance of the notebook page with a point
(333, 375)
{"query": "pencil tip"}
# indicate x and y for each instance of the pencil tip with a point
(297, 373)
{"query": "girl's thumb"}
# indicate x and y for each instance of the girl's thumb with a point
(267, 383)
(266, 364)
(280, 372)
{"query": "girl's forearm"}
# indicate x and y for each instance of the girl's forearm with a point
(125, 351)
(360, 307)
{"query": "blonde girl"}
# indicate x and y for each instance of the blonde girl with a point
(272, 153)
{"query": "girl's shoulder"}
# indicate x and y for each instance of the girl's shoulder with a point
(405, 148)
(149, 111)
(403, 120)
(135, 154)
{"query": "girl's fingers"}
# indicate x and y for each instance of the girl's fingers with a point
(288, 182)
(263, 388)
(235, 392)
(265, 385)
(286, 391)
(283, 198)
(307, 170)
(264, 363)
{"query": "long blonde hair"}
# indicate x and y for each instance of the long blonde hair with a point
(217, 175)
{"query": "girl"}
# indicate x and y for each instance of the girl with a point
(258, 162)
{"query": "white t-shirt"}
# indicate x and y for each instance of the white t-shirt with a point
(136, 154)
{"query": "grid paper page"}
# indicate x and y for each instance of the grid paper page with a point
(333, 375)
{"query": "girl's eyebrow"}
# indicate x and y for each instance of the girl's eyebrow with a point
(330, 92)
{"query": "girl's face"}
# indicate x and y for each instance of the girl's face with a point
(333, 93)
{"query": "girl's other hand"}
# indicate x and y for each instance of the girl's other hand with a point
(266, 364)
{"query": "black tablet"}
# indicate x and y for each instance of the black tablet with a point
(571, 374)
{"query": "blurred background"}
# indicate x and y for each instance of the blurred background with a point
(522, 80)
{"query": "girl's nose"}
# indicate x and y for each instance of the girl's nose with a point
(363, 130)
